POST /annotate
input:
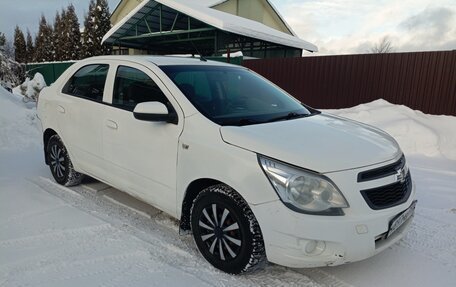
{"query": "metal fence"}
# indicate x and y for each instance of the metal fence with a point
(424, 81)
(50, 70)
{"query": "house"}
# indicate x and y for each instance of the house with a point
(211, 27)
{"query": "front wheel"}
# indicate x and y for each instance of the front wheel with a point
(226, 231)
(60, 164)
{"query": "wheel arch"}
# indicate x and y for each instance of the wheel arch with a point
(192, 191)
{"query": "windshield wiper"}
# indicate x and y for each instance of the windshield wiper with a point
(238, 122)
(289, 116)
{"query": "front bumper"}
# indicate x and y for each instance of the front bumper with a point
(300, 240)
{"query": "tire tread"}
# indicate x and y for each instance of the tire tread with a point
(258, 256)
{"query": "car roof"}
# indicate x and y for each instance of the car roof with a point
(162, 60)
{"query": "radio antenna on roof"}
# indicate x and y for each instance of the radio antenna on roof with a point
(201, 55)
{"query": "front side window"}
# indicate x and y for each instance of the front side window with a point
(133, 86)
(88, 82)
(234, 96)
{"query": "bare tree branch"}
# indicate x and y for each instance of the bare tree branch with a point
(384, 46)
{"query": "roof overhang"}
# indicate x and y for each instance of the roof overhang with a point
(136, 24)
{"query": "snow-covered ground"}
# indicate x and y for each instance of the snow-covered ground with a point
(90, 235)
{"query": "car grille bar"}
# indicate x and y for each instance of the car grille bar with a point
(388, 195)
(382, 171)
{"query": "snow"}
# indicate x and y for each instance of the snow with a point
(89, 235)
(417, 133)
(53, 62)
(18, 123)
(234, 54)
(31, 88)
(221, 20)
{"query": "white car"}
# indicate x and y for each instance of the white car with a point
(253, 173)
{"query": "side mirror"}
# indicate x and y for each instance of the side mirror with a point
(154, 112)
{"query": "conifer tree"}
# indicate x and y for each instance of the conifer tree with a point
(72, 35)
(19, 46)
(44, 42)
(96, 25)
(30, 48)
(2, 40)
(58, 33)
(88, 34)
(104, 24)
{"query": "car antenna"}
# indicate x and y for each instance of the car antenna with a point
(201, 55)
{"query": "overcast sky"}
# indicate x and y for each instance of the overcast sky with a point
(335, 26)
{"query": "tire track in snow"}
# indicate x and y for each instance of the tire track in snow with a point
(61, 235)
(163, 243)
(432, 238)
(25, 215)
(61, 272)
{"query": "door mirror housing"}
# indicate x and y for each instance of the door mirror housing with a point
(154, 112)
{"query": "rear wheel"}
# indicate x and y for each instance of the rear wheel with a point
(226, 231)
(60, 164)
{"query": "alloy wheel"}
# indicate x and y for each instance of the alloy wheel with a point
(57, 161)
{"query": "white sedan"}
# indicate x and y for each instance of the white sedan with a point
(252, 172)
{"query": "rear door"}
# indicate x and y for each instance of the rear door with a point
(141, 155)
(80, 108)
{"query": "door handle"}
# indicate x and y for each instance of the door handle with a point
(111, 124)
(60, 109)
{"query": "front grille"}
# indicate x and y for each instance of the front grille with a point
(383, 171)
(388, 195)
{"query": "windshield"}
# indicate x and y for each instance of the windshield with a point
(234, 96)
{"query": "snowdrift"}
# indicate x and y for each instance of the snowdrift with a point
(416, 132)
(31, 88)
(18, 123)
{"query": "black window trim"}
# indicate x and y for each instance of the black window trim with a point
(171, 108)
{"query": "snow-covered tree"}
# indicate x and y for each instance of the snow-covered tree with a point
(88, 38)
(44, 42)
(2, 40)
(58, 35)
(20, 47)
(6, 47)
(96, 25)
(11, 72)
(72, 35)
(30, 47)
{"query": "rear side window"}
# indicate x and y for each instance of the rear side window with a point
(88, 82)
(133, 86)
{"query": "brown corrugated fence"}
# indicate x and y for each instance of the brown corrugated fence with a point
(424, 81)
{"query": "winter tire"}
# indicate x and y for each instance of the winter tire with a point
(60, 164)
(226, 231)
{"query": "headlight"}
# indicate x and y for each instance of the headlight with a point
(303, 191)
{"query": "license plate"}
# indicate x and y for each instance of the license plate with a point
(397, 221)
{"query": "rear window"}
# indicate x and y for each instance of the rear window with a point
(88, 82)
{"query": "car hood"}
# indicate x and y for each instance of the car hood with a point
(322, 143)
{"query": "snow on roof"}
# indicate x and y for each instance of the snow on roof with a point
(218, 19)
